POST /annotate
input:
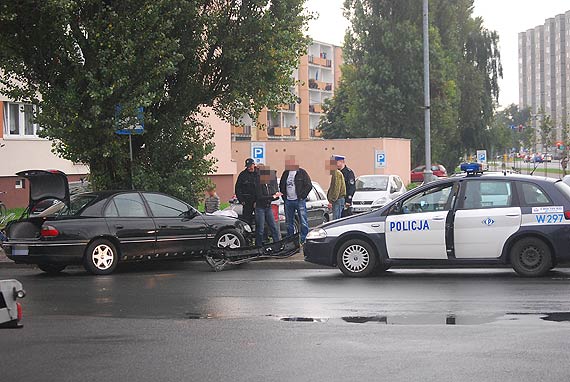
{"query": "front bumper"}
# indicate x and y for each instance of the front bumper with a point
(34, 252)
(321, 251)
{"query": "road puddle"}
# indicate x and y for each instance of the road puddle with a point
(303, 319)
(200, 316)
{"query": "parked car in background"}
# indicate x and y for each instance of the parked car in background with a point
(318, 211)
(373, 191)
(417, 175)
(101, 229)
(535, 158)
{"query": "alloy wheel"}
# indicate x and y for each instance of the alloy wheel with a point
(355, 258)
(103, 257)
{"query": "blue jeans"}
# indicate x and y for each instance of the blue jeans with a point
(337, 208)
(262, 216)
(298, 206)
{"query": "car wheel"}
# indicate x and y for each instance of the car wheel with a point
(531, 257)
(101, 257)
(356, 258)
(230, 238)
(52, 269)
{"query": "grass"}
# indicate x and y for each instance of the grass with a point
(201, 207)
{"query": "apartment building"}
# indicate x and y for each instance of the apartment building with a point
(544, 71)
(317, 76)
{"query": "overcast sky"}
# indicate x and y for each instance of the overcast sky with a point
(508, 17)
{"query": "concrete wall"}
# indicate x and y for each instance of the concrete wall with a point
(312, 155)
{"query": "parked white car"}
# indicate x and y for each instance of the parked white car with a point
(373, 191)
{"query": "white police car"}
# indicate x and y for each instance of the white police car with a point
(472, 219)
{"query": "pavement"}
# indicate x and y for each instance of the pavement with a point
(283, 321)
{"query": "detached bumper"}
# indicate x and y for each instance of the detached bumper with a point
(320, 252)
(34, 252)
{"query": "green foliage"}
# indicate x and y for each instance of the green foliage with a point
(381, 94)
(501, 138)
(173, 57)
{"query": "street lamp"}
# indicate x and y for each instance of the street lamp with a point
(428, 175)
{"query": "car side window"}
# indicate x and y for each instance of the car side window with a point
(430, 200)
(487, 194)
(532, 195)
(164, 206)
(398, 182)
(111, 210)
(130, 205)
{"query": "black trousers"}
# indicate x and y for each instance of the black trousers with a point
(247, 214)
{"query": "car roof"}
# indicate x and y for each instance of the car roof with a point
(499, 176)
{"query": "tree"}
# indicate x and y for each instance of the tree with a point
(173, 57)
(384, 55)
(501, 137)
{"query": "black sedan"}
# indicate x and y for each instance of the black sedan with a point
(101, 229)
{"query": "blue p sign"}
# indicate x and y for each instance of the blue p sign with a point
(379, 159)
(258, 153)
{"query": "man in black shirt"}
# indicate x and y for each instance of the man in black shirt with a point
(246, 189)
(349, 181)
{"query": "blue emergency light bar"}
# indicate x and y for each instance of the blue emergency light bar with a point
(471, 168)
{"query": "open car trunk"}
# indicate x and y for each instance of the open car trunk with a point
(43, 185)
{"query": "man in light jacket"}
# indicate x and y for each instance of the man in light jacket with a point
(295, 185)
(337, 190)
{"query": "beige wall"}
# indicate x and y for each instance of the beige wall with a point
(312, 155)
(222, 139)
(27, 154)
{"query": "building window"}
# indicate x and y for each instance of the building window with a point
(18, 120)
(20, 183)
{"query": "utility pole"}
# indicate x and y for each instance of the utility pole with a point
(428, 175)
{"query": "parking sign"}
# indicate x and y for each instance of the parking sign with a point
(482, 156)
(379, 159)
(258, 152)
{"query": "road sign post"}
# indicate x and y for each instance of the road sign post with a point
(379, 159)
(133, 128)
(258, 152)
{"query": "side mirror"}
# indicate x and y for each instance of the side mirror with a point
(191, 213)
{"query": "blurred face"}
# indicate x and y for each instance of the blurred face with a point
(340, 164)
(291, 163)
(211, 192)
(330, 165)
(264, 174)
(251, 168)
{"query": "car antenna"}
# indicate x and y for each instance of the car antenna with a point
(535, 167)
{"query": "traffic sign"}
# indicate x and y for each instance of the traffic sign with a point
(258, 152)
(135, 126)
(482, 156)
(379, 159)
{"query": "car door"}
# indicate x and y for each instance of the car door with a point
(180, 228)
(416, 227)
(488, 214)
(313, 210)
(128, 219)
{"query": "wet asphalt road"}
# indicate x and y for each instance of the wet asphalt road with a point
(288, 322)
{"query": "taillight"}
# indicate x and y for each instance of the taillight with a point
(49, 231)
(20, 313)
(567, 215)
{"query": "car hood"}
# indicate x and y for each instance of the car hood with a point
(50, 184)
(369, 195)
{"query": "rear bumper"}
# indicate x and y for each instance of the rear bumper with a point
(320, 252)
(22, 252)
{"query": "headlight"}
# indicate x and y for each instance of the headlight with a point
(318, 233)
(246, 228)
(380, 201)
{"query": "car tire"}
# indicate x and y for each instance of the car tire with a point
(101, 257)
(51, 269)
(227, 238)
(356, 258)
(531, 257)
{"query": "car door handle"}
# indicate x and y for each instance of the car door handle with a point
(438, 218)
(162, 226)
(118, 226)
(375, 225)
(515, 215)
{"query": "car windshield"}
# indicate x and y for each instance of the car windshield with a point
(372, 183)
(77, 204)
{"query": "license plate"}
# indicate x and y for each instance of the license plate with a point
(20, 251)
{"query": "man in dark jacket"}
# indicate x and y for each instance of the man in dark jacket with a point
(295, 185)
(245, 189)
(265, 192)
(349, 181)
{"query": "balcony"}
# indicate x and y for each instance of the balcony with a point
(316, 108)
(281, 132)
(316, 133)
(241, 130)
(320, 85)
(288, 107)
(321, 61)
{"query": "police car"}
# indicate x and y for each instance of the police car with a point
(472, 219)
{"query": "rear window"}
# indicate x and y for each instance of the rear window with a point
(564, 188)
(533, 195)
(77, 205)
